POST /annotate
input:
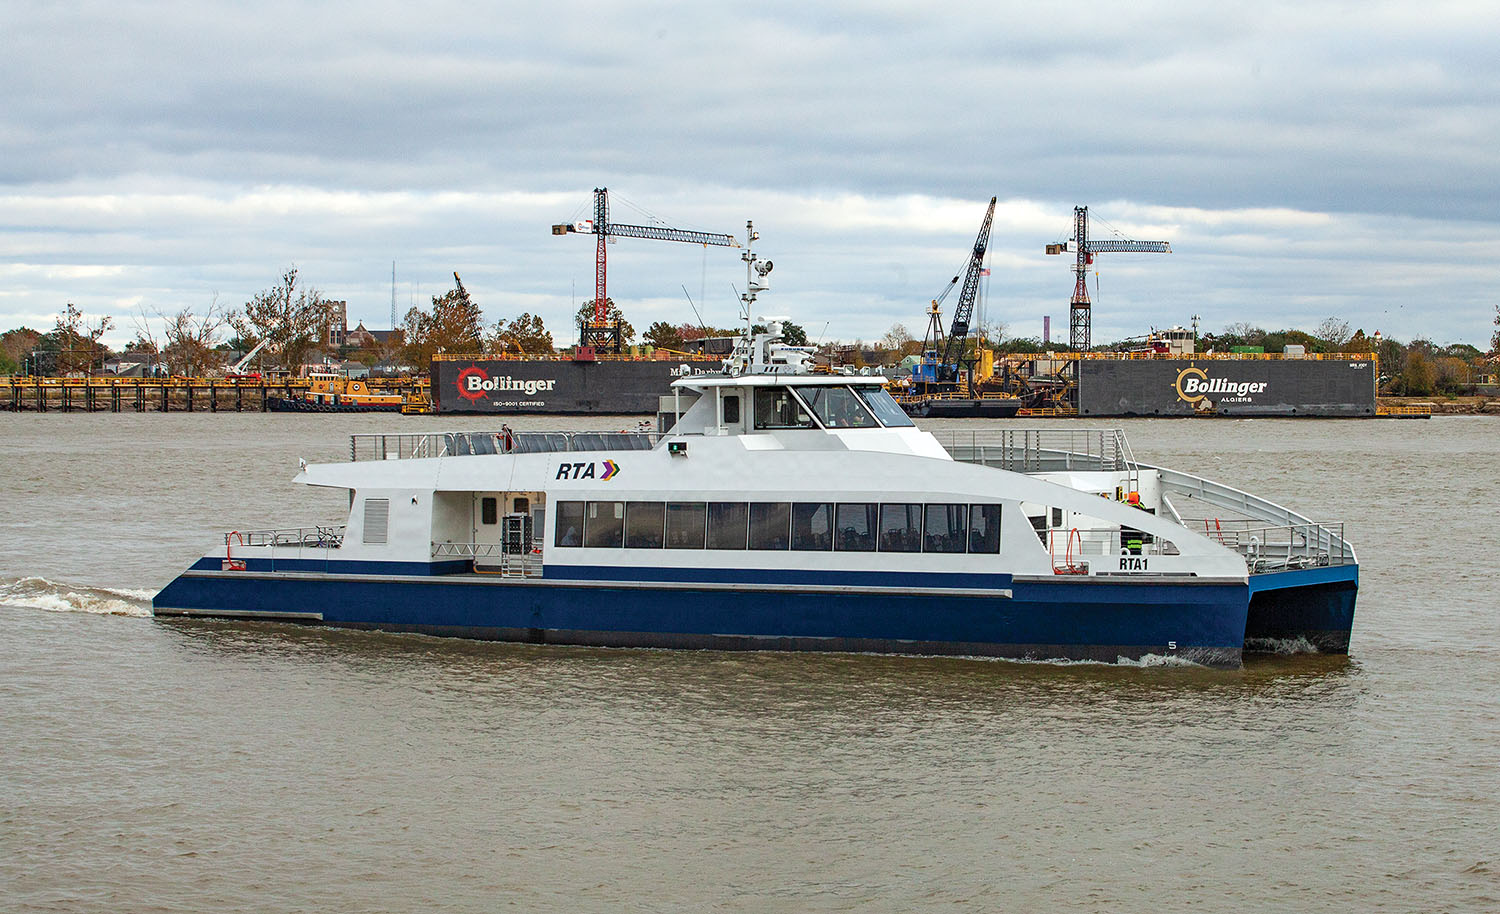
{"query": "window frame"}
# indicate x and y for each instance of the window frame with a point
(589, 528)
(786, 526)
(715, 507)
(631, 507)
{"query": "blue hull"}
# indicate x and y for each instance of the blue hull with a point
(1055, 618)
(1315, 605)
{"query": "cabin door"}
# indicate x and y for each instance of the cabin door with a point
(489, 527)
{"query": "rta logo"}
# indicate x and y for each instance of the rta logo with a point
(602, 472)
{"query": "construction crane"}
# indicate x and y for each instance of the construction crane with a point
(601, 334)
(239, 367)
(1079, 319)
(943, 367)
(958, 330)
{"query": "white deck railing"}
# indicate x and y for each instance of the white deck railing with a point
(463, 444)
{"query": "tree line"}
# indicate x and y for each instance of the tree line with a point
(292, 319)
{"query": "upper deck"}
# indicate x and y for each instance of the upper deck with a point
(1269, 536)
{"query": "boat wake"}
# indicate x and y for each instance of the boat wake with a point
(1148, 660)
(1298, 645)
(51, 596)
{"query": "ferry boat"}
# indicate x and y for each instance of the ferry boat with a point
(781, 509)
(328, 392)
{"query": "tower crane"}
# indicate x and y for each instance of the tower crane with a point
(1079, 318)
(600, 333)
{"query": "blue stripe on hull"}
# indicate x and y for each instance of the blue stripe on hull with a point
(337, 566)
(1062, 619)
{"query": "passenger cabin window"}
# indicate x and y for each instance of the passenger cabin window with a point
(803, 526)
(854, 528)
(727, 524)
(812, 527)
(837, 407)
(900, 528)
(775, 407)
(686, 522)
(984, 528)
(947, 528)
(569, 524)
(488, 511)
(770, 525)
(885, 407)
(604, 525)
(731, 409)
(644, 523)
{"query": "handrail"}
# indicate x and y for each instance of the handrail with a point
(380, 446)
(319, 536)
(1037, 450)
(1058, 450)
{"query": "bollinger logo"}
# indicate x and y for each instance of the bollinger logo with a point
(603, 472)
(1193, 384)
(474, 382)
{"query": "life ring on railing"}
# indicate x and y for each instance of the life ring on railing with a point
(230, 562)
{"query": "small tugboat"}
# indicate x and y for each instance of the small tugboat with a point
(334, 393)
(787, 510)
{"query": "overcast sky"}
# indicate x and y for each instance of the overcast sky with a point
(1304, 159)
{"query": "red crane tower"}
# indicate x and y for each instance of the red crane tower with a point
(1079, 310)
(602, 334)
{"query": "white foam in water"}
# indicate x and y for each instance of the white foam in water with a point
(1297, 645)
(40, 593)
(1155, 660)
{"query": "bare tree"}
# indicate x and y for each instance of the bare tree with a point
(191, 339)
(288, 315)
(1245, 331)
(992, 331)
(1334, 333)
(899, 340)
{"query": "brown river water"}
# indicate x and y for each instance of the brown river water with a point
(158, 766)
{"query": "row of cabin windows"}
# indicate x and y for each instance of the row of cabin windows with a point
(804, 526)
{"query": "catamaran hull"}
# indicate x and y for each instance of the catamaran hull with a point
(1042, 619)
(1302, 607)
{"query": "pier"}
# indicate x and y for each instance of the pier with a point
(176, 394)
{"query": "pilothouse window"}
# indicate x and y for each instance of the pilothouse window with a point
(837, 407)
(775, 407)
(885, 407)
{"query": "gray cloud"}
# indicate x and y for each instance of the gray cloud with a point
(395, 132)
